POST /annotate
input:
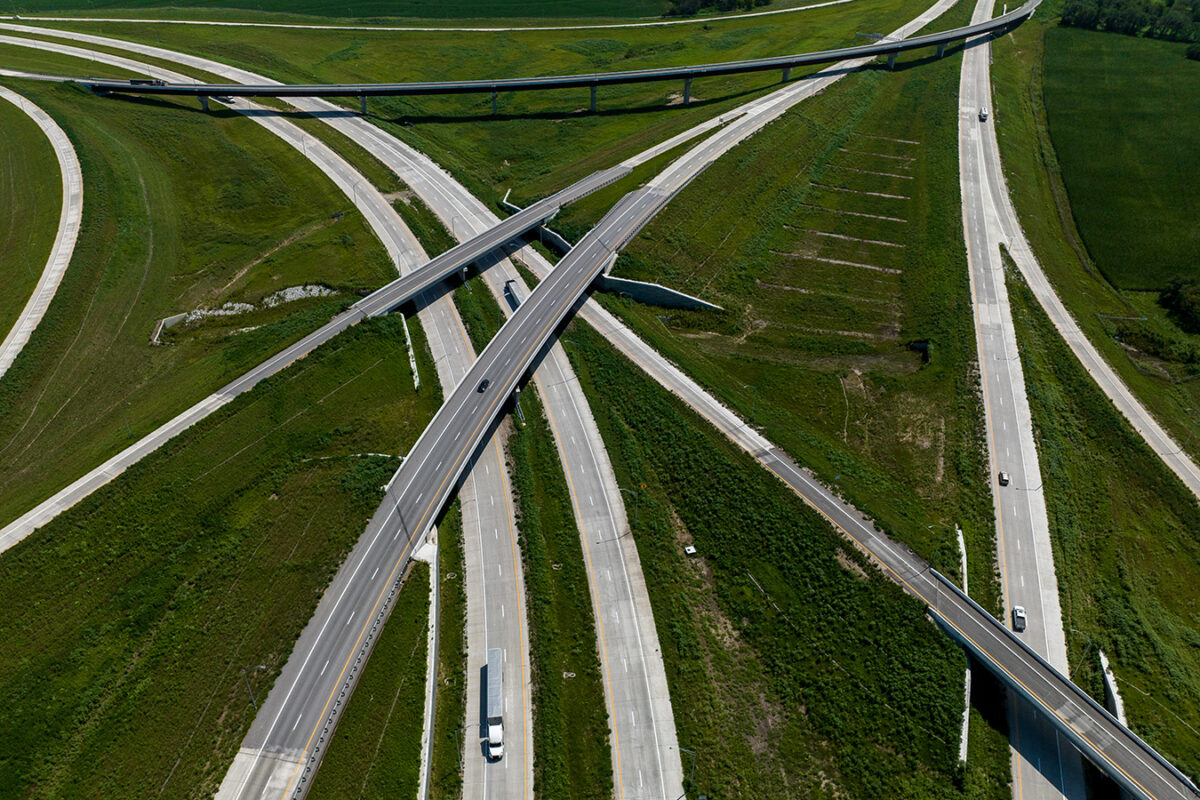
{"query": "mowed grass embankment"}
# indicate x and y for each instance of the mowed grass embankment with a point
(30, 207)
(129, 618)
(833, 241)
(795, 668)
(184, 210)
(1125, 124)
(376, 751)
(570, 714)
(540, 141)
(1125, 543)
(27, 59)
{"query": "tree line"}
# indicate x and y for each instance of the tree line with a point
(1172, 20)
(687, 8)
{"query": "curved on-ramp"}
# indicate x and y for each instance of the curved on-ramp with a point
(64, 241)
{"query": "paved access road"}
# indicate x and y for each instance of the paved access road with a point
(64, 240)
(1044, 764)
(885, 47)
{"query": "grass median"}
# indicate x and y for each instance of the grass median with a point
(446, 779)
(130, 617)
(570, 716)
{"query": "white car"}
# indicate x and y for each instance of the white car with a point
(1019, 619)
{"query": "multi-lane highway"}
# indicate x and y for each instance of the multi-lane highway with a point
(64, 240)
(1044, 765)
(885, 47)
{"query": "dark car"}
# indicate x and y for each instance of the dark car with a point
(483, 385)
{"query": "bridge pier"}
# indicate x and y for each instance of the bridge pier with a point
(493, 104)
(593, 105)
(687, 91)
(203, 101)
(891, 60)
(787, 74)
(941, 50)
(362, 104)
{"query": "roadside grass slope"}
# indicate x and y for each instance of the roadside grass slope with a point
(1125, 124)
(128, 619)
(833, 240)
(183, 211)
(30, 205)
(795, 668)
(1126, 551)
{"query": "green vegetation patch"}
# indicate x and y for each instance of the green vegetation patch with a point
(847, 332)
(376, 751)
(183, 210)
(1127, 134)
(481, 314)
(795, 668)
(130, 617)
(30, 206)
(1124, 532)
(450, 706)
(570, 714)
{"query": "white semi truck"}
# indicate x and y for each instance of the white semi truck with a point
(495, 704)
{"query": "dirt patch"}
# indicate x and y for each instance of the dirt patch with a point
(404, 196)
(676, 98)
(851, 565)
(295, 237)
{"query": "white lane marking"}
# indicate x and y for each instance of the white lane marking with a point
(324, 667)
(297, 721)
(373, 574)
(502, 610)
(351, 617)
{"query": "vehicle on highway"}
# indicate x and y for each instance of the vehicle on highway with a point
(1003, 477)
(146, 82)
(486, 382)
(495, 704)
(983, 115)
(510, 294)
(1018, 618)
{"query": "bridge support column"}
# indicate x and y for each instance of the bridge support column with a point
(941, 50)
(687, 91)
(891, 61)
(593, 106)
(203, 102)
(493, 104)
(362, 104)
(787, 74)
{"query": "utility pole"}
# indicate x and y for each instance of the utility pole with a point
(246, 677)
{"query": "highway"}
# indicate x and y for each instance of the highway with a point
(1044, 765)
(885, 47)
(64, 239)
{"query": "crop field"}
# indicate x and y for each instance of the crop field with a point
(795, 668)
(183, 211)
(129, 617)
(539, 141)
(1124, 530)
(1126, 129)
(30, 204)
(833, 241)
(570, 719)
(376, 751)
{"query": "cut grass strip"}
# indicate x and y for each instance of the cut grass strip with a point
(376, 751)
(570, 716)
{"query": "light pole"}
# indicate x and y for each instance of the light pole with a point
(246, 677)
(692, 776)
(128, 430)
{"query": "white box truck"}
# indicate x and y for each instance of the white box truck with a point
(495, 704)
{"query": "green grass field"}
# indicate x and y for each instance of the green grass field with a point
(847, 330)
(183, 210)
(128, 619)
(540, 141)
(376, 751)
(1124, 533)
(355, 9)
(795, 668)
(30, 205)
(1126, 129)
(570, 716)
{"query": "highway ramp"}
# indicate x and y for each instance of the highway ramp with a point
(64, 239)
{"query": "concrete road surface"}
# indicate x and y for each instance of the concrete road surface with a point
(64, 239)
(1044, 766)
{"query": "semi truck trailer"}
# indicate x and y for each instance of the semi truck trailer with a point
(495, 704)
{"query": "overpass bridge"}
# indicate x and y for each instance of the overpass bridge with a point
(885, 47)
